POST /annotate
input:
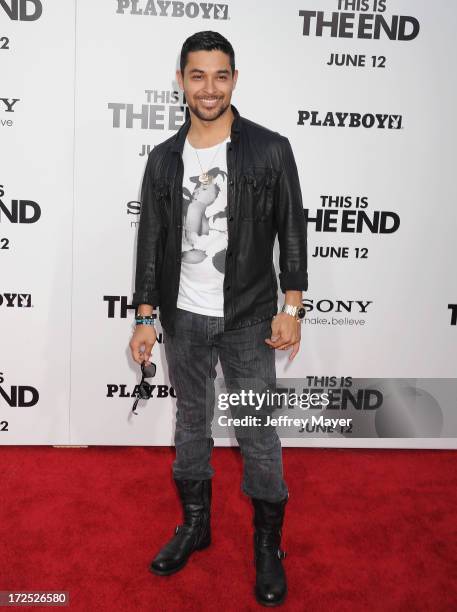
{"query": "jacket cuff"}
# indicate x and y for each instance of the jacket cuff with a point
(293, 281)
(145, 297)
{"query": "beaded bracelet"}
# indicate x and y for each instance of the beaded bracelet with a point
(145, 320)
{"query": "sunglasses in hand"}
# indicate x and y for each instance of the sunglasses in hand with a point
(144, 388)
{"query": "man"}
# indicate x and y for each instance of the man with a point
(214, 196)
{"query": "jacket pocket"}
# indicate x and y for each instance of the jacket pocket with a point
(256, 193)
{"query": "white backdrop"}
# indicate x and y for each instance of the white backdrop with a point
(95, 88)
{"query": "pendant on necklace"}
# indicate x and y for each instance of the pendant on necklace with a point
(204, 178)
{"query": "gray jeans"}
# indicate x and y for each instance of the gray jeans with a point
(192, 354)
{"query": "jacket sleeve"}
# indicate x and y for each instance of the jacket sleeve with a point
(292, 224)
(147, 273)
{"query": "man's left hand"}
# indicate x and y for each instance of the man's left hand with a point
(285, 333)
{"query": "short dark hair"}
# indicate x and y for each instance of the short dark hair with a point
(206, 41)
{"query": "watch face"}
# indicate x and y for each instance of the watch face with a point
(301, 313)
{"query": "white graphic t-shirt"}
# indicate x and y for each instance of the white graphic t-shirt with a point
(204, 230)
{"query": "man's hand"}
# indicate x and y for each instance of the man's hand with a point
(142, 341)
(285, 333)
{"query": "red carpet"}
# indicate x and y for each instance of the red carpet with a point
(365, 530)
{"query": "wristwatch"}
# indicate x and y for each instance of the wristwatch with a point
(296, 311)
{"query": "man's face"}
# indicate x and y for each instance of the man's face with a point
(207, 83)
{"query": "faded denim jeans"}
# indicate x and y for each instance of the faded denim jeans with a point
(192, 354)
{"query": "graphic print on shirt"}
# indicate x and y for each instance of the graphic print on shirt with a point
(205, 221)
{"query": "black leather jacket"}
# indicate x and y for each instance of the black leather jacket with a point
(263, 199)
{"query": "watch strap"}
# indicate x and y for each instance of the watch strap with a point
(292, 310)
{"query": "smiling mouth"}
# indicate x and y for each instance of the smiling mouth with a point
(209, 101)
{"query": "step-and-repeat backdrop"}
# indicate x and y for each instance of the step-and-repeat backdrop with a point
(365, 90)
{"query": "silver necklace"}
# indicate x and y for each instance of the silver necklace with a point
(204, 177)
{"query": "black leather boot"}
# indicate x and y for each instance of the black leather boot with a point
(270, 586)
(194, 534)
